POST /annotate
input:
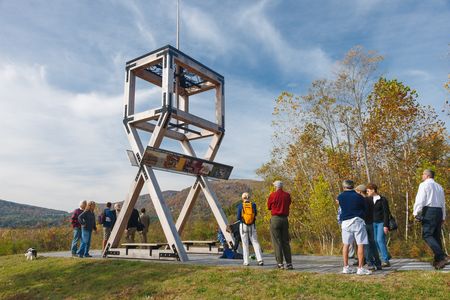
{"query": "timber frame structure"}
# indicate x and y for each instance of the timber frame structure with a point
(179, 77)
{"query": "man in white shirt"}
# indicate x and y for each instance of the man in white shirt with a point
(429, 208)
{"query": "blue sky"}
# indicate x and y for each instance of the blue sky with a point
(62, 72)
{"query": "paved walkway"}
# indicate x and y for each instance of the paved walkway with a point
(303, 263)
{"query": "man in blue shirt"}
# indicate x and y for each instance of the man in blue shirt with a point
(353, 209)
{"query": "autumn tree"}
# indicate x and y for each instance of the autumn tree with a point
(353, 126)
(353, 83)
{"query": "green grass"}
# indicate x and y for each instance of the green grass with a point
(63, 278)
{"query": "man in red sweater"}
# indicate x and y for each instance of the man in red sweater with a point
(278, 203)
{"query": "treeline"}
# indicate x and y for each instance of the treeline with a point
(354, 125)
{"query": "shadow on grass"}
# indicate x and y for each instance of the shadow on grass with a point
(84, 278)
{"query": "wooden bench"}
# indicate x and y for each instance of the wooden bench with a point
(150, 246)
(191, 243)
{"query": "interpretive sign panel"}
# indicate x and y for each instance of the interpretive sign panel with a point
(176, 162)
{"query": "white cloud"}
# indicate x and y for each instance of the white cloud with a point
(201, 28)
(61, 147)
(419, 75)
(140, 22)
(313, 61)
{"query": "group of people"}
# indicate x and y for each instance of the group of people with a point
(84, 222)
(364, 216)
(278, 204)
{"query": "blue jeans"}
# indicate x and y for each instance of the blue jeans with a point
(85, 242)
(370, 250)
(380, 239)
(76, 238)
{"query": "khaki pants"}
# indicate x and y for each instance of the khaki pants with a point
(279, 232)
(144, 235)
(131, 232)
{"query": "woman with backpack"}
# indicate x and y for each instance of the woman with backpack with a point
(246, 215)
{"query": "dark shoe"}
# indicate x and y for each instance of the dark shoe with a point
(440, 264)
(289, 267)
(260, 263)
(370, 267)
(280, 266)
(386, 264)
(88, 255)
(378, 268)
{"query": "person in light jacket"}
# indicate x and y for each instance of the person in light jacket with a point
(87, 221)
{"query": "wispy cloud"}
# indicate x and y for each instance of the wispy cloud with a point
(62, 146)
(62, 72)
(142, 26)
(313, 61)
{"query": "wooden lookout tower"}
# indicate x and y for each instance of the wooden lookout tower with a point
(179, 77)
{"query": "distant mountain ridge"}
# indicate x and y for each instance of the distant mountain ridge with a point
(228, 193)
(22, 215)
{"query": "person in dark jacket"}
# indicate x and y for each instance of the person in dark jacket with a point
(87, 221)
(370, 250)
(133, 223)
(76, 227)
(278, 204)
(108, 223)
(381, 215)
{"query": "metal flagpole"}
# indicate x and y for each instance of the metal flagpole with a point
(178, 24)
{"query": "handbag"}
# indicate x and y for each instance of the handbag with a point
(392, 223)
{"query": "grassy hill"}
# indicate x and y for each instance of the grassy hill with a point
(21, 215)
(66, 278)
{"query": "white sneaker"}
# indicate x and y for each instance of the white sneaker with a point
(348, 270)
(245, 264)
(363, 271)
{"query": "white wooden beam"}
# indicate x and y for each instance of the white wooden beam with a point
(148, 115)
(188, 205)
(213, 147)
(198, 69)
(203, 134)
(216, 209)
(164, 215)
(145, 61)
(125, 213)
(160, 130)
(196, 121)
(148, 127)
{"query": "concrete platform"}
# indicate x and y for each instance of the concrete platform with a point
(302, 263)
